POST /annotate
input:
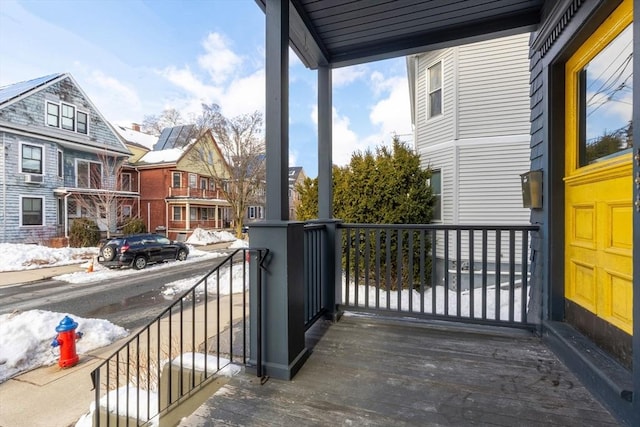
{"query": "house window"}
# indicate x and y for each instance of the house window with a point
(60, 164)
(203, 183)
(193, 180)
(32, 212)
(193, 214)
(60, 211)
(434, 88)
(125, 182)
(88, 174)
(53, 115)
(203, 214)
(176, 180)
(177, 213)
(126, 211)
(68, 121)
(32, 158)
(436, 191)
(82, 123)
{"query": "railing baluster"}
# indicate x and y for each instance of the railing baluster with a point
(347, 269)
(446, 272)
(485, 296)
(472, 286)
(399, 271)
(423, 256)
(498, 272)
(459, 272)
(377, 268)
(390, 233)
(524, 275)
(434, 271)
(512, 273)
(410, 254)
(367, 256)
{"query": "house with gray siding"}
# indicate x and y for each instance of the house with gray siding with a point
(470, 114)
(61, 160)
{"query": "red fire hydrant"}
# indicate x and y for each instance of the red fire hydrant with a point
(66, 339)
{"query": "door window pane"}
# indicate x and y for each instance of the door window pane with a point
(605, 99)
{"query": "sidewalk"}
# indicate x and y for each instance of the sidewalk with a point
(51, 396)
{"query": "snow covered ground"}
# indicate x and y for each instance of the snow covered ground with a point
(27, 336)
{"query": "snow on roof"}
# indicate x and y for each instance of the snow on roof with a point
(134, 136)
(162, 156)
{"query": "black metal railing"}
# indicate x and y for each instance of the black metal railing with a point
(183, 349)
(478, 274)
(315, 241)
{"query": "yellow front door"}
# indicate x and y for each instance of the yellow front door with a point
(598, 172)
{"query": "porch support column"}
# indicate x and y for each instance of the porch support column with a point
(283, 340)
(636, 217)
(325, 192)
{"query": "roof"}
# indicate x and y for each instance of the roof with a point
(140, 138)
(177, 136)
(338, 33)
(294, 172)
(14, 90)
(170, 155)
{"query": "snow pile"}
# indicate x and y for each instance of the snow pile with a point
(201, 236)
(17, 257)
(27, 337)
(231, 282)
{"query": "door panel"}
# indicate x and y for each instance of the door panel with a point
(598, 173)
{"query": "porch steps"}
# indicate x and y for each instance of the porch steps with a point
(603, 375)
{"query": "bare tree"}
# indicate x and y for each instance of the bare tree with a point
(154, 125)
(99, 195)
(242, 148)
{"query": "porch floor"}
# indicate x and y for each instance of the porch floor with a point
(383, 372)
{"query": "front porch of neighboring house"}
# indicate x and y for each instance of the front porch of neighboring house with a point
(191, 208)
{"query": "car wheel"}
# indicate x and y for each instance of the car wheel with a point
(139, 263)
(182, 255)
(108, 252)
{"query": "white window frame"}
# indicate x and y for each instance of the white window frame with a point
(193, 214)
(22, 197)
(122, 186)
(193, 180)
(60, 159)
(430, 90)
(178, 210)
(86, 114)
(126, 211)
(46, 114)
(204, 183)
(42, 164)
(436, 195)
(78, 161)
(173, 179)
(72, 117)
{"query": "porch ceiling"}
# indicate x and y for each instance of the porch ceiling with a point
(338, 33)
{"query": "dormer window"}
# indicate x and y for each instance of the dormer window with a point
(67, 117)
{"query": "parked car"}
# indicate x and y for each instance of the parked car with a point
(138, 250)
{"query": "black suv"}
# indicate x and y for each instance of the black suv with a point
(138, 250)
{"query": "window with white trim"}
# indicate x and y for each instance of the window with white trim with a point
(31, 159)
(60, 164)
(68, 121)
(436, 190)
(125, 181)
(177, 213)
(176, 180)
(193, 180)
(67, 117)
(88, 174)
(31, 211)
(193, 214)
(203, 183)
(126, 211)
(434, 90)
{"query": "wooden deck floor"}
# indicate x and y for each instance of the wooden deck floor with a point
(379, 372)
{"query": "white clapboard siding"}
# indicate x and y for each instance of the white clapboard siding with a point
(493, 87)
(443, 158)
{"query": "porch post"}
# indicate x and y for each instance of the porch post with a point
(283, 331)
(325, 191)
(636, 217)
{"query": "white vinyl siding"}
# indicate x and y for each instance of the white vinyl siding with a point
(493, 87)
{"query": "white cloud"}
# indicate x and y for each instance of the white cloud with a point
(109, 91)
(347, 75)
(218, 60)
(345, 141)
(392, 115)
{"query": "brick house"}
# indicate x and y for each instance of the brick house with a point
(178, 192)
(61, 161)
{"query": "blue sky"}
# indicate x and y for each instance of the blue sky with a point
(136, 58)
